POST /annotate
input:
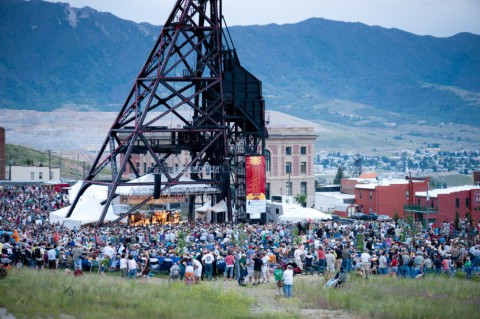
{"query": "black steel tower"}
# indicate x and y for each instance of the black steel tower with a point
(192, 97)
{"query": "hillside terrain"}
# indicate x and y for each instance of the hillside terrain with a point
(64, 72)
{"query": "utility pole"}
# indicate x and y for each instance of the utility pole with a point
(49, 165)
(76, 174)
(60, 167)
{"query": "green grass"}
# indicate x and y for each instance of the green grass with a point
(27, 293)
(30, 294)
(432, 297)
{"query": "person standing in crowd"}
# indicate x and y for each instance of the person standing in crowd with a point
(288, 282)
(382, 264)
(76, 256)
(123, 266)
(278, 277)
(321, 258)
(207, 261)
(243, 267)
(132, 268)
(52, 258)
(346, 258)
(330, 261)
(257, 268)
(146, 267)
(230, 264)
(365, 263)
(38, 253)
(197, 266)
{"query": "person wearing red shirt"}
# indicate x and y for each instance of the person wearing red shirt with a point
(230, 263)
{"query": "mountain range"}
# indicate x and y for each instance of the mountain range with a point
(55, 56)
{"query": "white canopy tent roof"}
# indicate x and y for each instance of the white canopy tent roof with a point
(204, 208)
(296, 213)
(219, 207)
(88, 209)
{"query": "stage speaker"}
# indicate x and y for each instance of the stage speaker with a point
(157, 186)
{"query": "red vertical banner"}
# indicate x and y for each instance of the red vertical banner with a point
(255, 186)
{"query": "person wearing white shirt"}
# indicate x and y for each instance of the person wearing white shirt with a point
(365, 263)
(123, 266)
(288, 282)
(207, 261)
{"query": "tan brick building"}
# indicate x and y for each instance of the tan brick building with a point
(290, 151)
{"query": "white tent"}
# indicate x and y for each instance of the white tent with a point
(201, 211)
(59, 215)
(218, 212)
(87, 210)
(296, 213)
(219, 207)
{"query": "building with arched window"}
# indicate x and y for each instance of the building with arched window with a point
(290, 150)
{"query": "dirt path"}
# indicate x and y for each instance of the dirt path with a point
(267, 301)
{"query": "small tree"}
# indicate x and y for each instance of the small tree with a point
(456, 222)
(468, 216)
(359, 241)
(301, 199)
(339, 176)
(396, 217)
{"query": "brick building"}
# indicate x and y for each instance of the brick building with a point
(476, 178)
(444, 203)
(388, 196)
(290, 152)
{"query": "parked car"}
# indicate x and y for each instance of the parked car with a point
(384, 218)
(371, 216)
(359, 216)
(335, 218)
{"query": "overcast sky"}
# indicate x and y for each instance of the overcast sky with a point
(433, 17)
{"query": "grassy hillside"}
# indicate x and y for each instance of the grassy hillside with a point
(53, 55)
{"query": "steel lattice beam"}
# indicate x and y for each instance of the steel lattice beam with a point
(178, 99)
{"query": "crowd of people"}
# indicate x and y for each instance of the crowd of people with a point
(249, 254)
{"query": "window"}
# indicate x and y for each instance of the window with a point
(32, 176)
(370, 195)
(144, 167)
(40, 175)
(267, 190)
(360, 194)
(288, 167)
(303, 167)
(303, 150)
(407, 194)
(467, 202)
(268, 164)
(289, 188)
(419, 202)
(457, 202)
(288, 150)
(303, 188)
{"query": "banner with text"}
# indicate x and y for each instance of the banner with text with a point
(256, 184)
